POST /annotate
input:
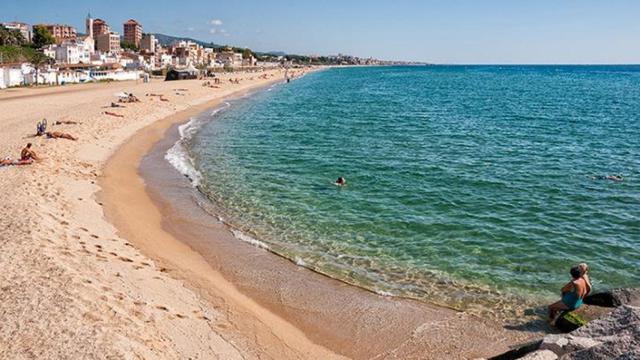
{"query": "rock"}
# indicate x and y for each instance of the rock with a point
(569, 321)
(518, 352)
(629, 297)
(617, 336)
(540, 355)
(615, 298)
(561, 344)
(572, 320)
(555, 343)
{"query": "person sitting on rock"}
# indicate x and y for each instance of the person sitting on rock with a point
(584, 269)
(572, 293)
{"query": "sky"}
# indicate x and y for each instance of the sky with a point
(435, 31)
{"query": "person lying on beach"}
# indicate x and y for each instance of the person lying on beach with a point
(114, 105)
(341, 181)
(163, 99)
(129, 99)
(60, 135)
(9, 162)
(572, 293)
(113, 114)
(66, 122)
(27, 154)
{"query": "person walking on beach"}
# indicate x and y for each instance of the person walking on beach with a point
(573, 292)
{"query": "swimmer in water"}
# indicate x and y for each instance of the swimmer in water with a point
(341, 181)
(608, 177)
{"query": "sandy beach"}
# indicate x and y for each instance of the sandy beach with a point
(98, 264)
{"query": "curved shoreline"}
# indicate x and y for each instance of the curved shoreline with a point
(343, 318)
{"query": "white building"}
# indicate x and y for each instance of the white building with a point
(50, 50)
(11, 75)
(67, 54)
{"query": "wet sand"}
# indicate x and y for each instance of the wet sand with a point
(290, 310)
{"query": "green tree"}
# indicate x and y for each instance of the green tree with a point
(11, 37)
(38, 59)
(247, 53)
(42, 36)
(128, 45)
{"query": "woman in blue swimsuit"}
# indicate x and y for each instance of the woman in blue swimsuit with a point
(572, 293)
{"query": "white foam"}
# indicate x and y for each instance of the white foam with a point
(248, 239)
(383, 293)
(178, 155)
(300, 262)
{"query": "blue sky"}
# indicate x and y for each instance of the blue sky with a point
(444, 31)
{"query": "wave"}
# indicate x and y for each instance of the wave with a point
(179, 156)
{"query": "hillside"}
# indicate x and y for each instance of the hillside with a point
(168, 39)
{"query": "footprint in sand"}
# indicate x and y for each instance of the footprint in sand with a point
(163, 308)
(125, 259)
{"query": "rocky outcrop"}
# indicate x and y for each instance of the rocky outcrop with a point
(615, 298)
(615, 334)
(540, 355)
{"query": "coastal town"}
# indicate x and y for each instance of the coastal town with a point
(103, 54)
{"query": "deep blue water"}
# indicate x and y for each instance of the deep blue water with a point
(463, 181)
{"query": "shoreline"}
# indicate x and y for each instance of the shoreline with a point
(71, 287)
(176, 258)
(399, 315)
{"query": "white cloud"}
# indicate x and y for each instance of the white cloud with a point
(216, 22)
(219, 31)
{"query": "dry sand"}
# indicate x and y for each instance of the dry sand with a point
(74, 286)
(70, 287)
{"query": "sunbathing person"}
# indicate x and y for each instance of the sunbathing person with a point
(114, 105)
(8, 162)
(572, 293)
(113, 114)
(28, 154)
(60, 135)
(66, 122)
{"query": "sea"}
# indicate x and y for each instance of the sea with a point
(473, 187)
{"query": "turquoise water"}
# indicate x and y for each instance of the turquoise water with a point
(463, 182)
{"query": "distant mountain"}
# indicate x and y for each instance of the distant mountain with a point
(273, 53)
(168, 39)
